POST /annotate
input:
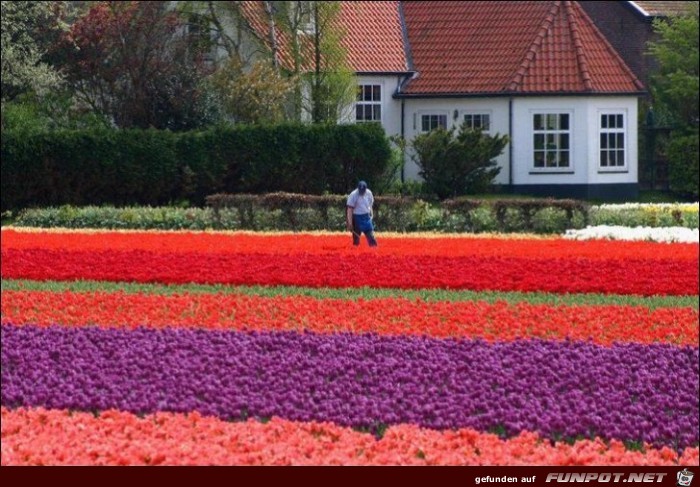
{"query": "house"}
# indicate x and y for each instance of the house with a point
(628, 26)
(538, 71)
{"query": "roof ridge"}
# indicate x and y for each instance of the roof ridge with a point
(611, 50)
(581, 60)
(534, 47)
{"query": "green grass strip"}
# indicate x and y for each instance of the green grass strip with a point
(651, 302)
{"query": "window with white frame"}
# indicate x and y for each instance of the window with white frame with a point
(552, 141)
(478, 121)
(430, 122)
(368, 107)
(612, 141)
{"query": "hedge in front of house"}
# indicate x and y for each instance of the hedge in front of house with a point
(88, 167)
(300, 212)
(152, 167)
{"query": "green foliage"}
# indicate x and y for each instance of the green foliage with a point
(130, 62)
(674, 85)
(30, 114)
(675, 88)
(649, 216)
(457, 165)
(28, 28)
(651, 302)
(256, 95)
(683, 155)
(151, 167)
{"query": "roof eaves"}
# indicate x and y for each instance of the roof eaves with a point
(639, 9)
(503, 94)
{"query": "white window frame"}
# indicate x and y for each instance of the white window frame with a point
(480, 113)
(418, 119)
(555, 133)
(370, 103)
(615, 130)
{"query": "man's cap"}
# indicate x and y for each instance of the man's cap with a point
(362, 187)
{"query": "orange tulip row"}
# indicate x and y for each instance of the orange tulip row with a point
(387, 316)
(57, 437)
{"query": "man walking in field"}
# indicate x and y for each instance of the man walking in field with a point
(359, 214)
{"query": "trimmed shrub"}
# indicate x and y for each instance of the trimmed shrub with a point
(152, 167)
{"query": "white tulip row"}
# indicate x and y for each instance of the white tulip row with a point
(658, 234)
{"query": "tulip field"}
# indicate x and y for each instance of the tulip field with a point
(173, 347)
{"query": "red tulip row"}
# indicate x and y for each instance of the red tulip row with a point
(612, 276)
(388, 316)
(56, 437)
(299, 243)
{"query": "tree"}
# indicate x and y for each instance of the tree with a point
(255, 95)
(28, 28)
(132, 62)
(674, 85)
(301, 42)
(457, 165)
(326, 83)
(674, 88)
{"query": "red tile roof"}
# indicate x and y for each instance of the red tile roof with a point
(373, 37)
(511, 47)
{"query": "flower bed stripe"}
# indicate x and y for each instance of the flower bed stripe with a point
(386, 316)
(428, 295)
(631, 392)
(59, 437)
(296, 243)
(631, 276)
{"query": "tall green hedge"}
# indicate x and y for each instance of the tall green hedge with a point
(151, 167)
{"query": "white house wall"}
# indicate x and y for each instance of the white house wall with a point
(497, 108)
(585, 136)
(391, 108)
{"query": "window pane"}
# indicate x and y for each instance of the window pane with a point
(486, 125)
(537, 122)
(604, 121)
(368, 93)
(603, 141)
(359, 93)
(376, 92)
(358, 112)
(376, 112)
(620, 141)
(619, 122)
(552, 121)
(425, 123)
(611, 158)
(564, 159)
(551, 141)
(564, 121)
(564, 141)
(551, 158)
(620, 158)
(539, 158)
(469, 120)
(442, 120)
(539, 141)
(603, 158)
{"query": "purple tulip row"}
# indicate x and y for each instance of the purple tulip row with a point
(559, 389)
